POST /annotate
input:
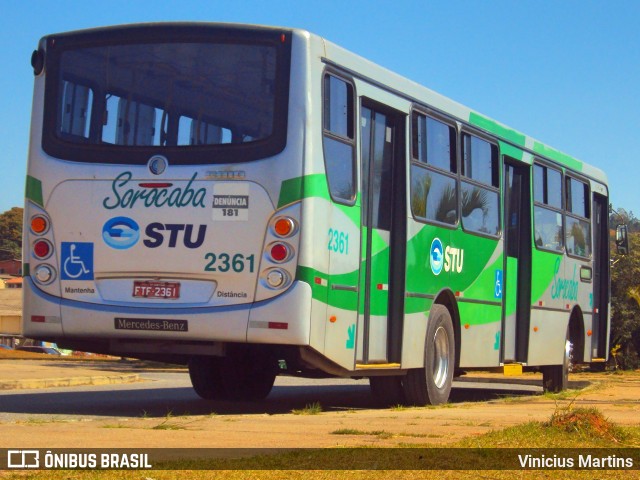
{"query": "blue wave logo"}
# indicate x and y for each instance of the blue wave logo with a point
(121, 233)
(436, 256)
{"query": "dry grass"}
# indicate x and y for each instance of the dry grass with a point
(586, 423)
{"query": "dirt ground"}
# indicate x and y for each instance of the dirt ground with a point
(617, 396)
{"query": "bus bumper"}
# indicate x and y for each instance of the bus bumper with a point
(283, 320)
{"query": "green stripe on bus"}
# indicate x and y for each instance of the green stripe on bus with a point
(557, 156)
(26, 270)
(511, 151)
(315, 185)
(33, 190)
(497, 129)
(295, 189)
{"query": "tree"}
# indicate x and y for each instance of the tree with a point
(11, 234)
(625, 315)
(621, 216)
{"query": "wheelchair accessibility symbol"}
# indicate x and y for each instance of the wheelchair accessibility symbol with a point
(497, 292)
(77, 261)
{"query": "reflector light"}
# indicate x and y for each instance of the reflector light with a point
(39, 225)
(278, 325)
(275, 278)
(44, 274)
(37, 318)
(41, 249)
(284, 227)
(279, 252)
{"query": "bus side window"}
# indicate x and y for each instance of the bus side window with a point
(480, 198)
(434, 191)
(578, 234)
(547, 196)
(339, 138)
(76, 110)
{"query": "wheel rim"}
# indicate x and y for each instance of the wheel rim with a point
(568, 347)
(440, 357)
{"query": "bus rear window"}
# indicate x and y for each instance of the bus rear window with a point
(121, 96)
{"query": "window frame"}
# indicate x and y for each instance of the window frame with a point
(415, 162)
(544, 164)
(352, 142)
(496, 154)
(570, 214)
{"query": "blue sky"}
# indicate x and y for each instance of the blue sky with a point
(565, 72)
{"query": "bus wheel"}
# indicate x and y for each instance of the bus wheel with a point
(555, 378)
(248, 378)
(205, 377)
(387, 390)
(431, 384)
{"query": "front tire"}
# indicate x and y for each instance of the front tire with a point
(431, 385)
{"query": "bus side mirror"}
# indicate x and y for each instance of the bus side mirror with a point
(622, 240)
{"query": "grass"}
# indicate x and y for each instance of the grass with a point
(42, 421)
(310, 409)
(171, 422)
(568, 427)
(351, 431)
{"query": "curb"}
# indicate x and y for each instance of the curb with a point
(68, 381)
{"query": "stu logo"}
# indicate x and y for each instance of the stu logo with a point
(450, 259)
(156, 234)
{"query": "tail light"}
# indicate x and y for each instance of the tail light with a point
(284, 227)
(280, 252)
(42, 249)
(39, 225)
(279, 259)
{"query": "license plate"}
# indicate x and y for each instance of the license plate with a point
(153, 289)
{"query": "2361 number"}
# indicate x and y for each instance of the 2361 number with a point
(338, 241)
(224, 262)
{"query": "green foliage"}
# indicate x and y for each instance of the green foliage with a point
(621, 216)
(310, 409)
(11, 234)
(625, 314)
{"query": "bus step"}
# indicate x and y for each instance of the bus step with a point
(512, 369)
(377, 366)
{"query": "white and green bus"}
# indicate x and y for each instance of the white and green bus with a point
(254, 201)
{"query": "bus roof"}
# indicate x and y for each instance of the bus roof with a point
(364, 69)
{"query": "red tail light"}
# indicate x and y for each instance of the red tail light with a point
(42, 249)
(279, 252)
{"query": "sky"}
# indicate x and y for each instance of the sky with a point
(564, 72)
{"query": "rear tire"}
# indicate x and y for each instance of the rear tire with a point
(555, 378)
(431, 385)
(248, 377)
(239, 376)
(205, 377)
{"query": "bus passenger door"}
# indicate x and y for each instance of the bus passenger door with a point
(517, 247)
(601, 280)
(383, 239)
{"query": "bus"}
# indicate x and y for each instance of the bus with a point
(257, 201)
